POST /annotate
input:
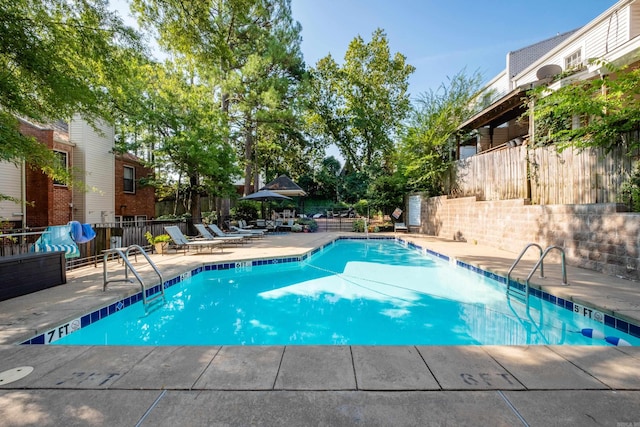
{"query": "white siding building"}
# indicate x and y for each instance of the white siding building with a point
(612, 37)
(12, 185)
(94, 165)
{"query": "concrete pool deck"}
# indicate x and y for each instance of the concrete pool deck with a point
(315, 385)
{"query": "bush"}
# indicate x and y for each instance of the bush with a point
(358, 226)
(309, 223)
(362, 207)
(246, 210)
(630, 190)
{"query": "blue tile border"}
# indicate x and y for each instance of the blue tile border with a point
(103, 312)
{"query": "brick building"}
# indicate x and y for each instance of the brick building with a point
(134, 200)
(107, 187)
(48, 202)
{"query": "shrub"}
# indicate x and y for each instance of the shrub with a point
(160, 238)
(630, 190)
(309, 223)
(246, 210)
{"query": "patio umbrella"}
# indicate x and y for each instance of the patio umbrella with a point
(264, 196)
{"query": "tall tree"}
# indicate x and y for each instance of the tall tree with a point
(57, 58)
(360, 105)
(427, 144)
(175, 115)
(251, 47)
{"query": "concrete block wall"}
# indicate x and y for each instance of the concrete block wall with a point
(593, 236)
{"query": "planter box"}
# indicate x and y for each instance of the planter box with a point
(32, 272)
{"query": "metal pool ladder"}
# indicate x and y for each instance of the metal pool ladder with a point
(123, 253)
(524, 293)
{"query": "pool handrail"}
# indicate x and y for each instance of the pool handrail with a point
(124, 255)
(516, 263)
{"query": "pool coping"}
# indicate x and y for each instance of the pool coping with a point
(51, 335)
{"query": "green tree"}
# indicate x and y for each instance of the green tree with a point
(428, 142)
(252, 49)
(57, 58)
(360, 105)
(175, 116)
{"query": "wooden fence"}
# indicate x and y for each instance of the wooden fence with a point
(543, 175)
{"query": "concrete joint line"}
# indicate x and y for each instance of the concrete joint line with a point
(153, 405)
(513, 408)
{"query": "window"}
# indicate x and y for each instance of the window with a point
(129, 179)
(573, 61)
(61, 162)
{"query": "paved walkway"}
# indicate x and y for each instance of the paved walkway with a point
(315, 385)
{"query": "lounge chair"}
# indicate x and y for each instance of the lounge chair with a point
(232, 237)
(240, 230)
(400, 226)
(180, 241)
(288, 225)
(205, 234)
(242, 225)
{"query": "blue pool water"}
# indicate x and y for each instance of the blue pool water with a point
(382, 294)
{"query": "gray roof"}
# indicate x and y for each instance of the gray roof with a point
(522, 58)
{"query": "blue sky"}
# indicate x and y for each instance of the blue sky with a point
(440, 38)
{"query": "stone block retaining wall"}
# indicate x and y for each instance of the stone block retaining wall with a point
(593, 236)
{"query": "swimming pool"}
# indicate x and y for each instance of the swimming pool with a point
(360, 292)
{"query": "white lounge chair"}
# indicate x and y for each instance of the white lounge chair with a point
(235, 237)
(254, 233)
(204, 232)
(180, 241)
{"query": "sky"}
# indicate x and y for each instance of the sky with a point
(440, 38)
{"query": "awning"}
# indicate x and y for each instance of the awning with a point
(509, 107)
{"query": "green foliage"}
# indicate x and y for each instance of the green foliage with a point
(246, 210)
(359, 106)
(309, 223)
(358, 226)
(251, 49)
(210, 217)
(386, 192)
(58, 58)
(362, 207)
(630, 190)
(184, 216)
(428, 142)
(160, 238)
(606, 108)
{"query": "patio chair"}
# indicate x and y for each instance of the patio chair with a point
(253, 233)
(180, 241)
(400, 226)
(229, 237)
(288, 225)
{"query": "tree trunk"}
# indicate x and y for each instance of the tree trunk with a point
(194, 193)
(249, 157)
